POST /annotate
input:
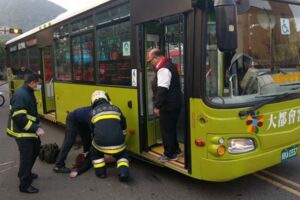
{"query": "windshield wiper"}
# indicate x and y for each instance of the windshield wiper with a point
(277, 97)
(290, 84)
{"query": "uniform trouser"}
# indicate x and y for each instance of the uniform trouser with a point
(168, 122)
(29, 150)
(100, 166)
(73, 128)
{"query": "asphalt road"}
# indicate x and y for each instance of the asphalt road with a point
(147, 181)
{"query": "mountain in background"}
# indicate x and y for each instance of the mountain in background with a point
(27, 14)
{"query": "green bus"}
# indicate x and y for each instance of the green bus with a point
(239, 67)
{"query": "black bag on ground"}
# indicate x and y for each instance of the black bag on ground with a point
(49, 152)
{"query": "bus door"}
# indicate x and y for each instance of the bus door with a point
(166, 34)
(152, 39)
(48, 87)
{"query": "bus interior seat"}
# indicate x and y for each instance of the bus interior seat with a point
(249, 83)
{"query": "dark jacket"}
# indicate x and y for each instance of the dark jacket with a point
(83, 163)
(23, 120)
(169, 99)
(108, 124)
(83, 115)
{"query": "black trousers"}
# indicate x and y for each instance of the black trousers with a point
(73, 128)
(29, 150)
(99, 171)
(168, 122)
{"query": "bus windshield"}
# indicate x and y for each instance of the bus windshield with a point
(267, 60)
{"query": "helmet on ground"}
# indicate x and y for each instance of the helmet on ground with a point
(98, 94)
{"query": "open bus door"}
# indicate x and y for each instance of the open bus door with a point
(167, 35)
(48, 87)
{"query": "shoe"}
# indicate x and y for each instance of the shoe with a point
(101, 175)
(123, 177)
(178, 153)
(33, 176)
(30, 190)
(165, 158)
(63, 169)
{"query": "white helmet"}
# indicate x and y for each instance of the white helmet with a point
(98, 94)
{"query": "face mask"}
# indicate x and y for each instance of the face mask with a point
(38, 87)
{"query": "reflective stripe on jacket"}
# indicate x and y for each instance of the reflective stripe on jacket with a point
(109, 149)
(108, 124)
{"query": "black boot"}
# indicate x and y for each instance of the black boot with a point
(123, 174)
(29, 190)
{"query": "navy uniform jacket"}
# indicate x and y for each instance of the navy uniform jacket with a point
(83, 115)
(23, 120)
(108, 124)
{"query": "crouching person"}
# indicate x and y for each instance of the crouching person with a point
(108, 128)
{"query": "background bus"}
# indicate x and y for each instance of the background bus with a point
(225, 126)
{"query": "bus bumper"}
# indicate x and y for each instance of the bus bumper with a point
(226, 170)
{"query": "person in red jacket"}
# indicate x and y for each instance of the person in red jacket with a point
(167, 103)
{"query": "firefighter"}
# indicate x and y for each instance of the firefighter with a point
(109, 131)
(24, 127)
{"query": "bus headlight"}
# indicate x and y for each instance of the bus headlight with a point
(240, 145)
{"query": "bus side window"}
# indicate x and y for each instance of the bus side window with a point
(113, 59)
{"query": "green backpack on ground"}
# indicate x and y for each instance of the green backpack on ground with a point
(49, 152)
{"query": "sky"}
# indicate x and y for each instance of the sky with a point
(73, 4)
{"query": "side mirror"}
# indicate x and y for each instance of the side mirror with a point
(226, 22)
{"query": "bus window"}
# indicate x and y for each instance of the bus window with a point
(113, 54)
(82, 57)
(113, 13)
(48, 92)
(211, 58)
(48, 65)
(62, 59)
(174, 44)
(14, 62)
(82, 24)
(23, 63)
(152, 40)
(34, 59)
(268, 47)
(62, 53)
